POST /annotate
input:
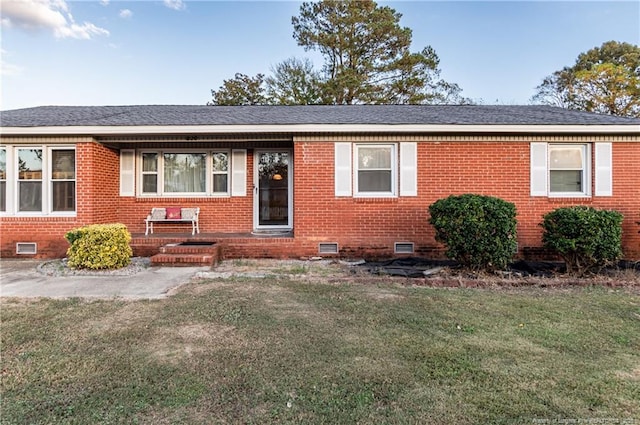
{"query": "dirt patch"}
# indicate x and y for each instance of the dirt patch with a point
(127, 315)
(326, 271)
(519, 274)
(410, 272)
(174, 344)
(633, 375)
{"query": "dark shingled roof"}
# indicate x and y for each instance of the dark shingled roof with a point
(178, 115)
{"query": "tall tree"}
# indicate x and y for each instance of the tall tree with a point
(367, 59)
(294, 82)
(604, 79)
(240, 90)
(366, 54)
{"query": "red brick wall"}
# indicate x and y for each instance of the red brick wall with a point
(361, 227)
(501, 169)
(97, 183)
(98, 169)
(217, 215)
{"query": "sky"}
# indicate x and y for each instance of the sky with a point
(174, 52)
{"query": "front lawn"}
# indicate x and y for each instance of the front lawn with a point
(283, 350)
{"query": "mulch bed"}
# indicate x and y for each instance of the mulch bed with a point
(439, 273)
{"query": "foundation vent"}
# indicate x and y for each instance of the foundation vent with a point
(26, 248)
(403, 248)
(328, 248)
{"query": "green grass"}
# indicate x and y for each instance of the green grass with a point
(276, 350)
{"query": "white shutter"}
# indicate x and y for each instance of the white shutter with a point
(239, 172)
(342, 171)
(604, 174)
(408, 169)
(539, 172)
(127, 172)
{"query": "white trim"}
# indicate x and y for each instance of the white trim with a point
(8, 187)
(51, 181)
(128, 172)
(21, 245)
(159, 173)
(214, 173)
(603, 169)
(238, 172)
(408, 169)
(256, 190)
(319, 128)
(538, 169)
(140, 173)
(12, 184)
(585, 168)
(342, 174)
(394, 171)
(44, 195)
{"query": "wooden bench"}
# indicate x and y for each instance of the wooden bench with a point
(173, 215)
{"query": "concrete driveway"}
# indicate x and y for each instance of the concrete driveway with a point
(20, 278)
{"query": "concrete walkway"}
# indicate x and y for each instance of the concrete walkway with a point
(20, 278)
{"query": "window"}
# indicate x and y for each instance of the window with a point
(3, 179)
(184, 172)
(30, 180)
(170, 173)
(37, 180)
(567, 169)
(375, 170)
(63, 179)
(571, 170)
(150, 172)
(220, 172)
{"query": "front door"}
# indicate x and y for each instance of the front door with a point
(272, 190)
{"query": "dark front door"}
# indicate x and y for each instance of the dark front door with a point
(273, 190)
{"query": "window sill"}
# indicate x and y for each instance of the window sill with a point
(372, 200)
(178, 199)
(570, 198)
(38, 216)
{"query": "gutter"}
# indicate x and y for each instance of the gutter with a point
(301, 129)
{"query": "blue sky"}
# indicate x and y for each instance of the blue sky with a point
(57, 52)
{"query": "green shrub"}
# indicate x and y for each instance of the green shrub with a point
(587, 239)
(479, 231)
(99, 246)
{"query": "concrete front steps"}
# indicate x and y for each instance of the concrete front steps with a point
(187, 254)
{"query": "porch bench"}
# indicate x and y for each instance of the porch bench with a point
(173, 215)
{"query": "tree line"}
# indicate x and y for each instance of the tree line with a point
(367, 59)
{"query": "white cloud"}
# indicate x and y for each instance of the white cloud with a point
(8, 69)
(125, 14)
(104, 2)
(53, 15)
(175, 4)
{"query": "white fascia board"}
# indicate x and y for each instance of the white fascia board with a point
(317, 128)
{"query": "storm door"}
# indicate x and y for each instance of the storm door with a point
(272, 190)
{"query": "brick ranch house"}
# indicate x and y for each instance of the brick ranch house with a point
(292, 181)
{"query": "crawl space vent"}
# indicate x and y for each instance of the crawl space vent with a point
(328, 248)
(26, 248)
(403, 248)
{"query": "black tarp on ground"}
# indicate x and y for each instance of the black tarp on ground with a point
(415, 267)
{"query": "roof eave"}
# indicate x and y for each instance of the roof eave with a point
(321, 128)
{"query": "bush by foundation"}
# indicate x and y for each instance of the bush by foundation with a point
(478, 231)
(587, 239)
(99, 246)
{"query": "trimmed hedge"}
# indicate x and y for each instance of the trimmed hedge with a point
(479, 231)
(99, 246)
(585, 238)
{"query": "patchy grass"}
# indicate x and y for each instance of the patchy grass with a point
(282, 350)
